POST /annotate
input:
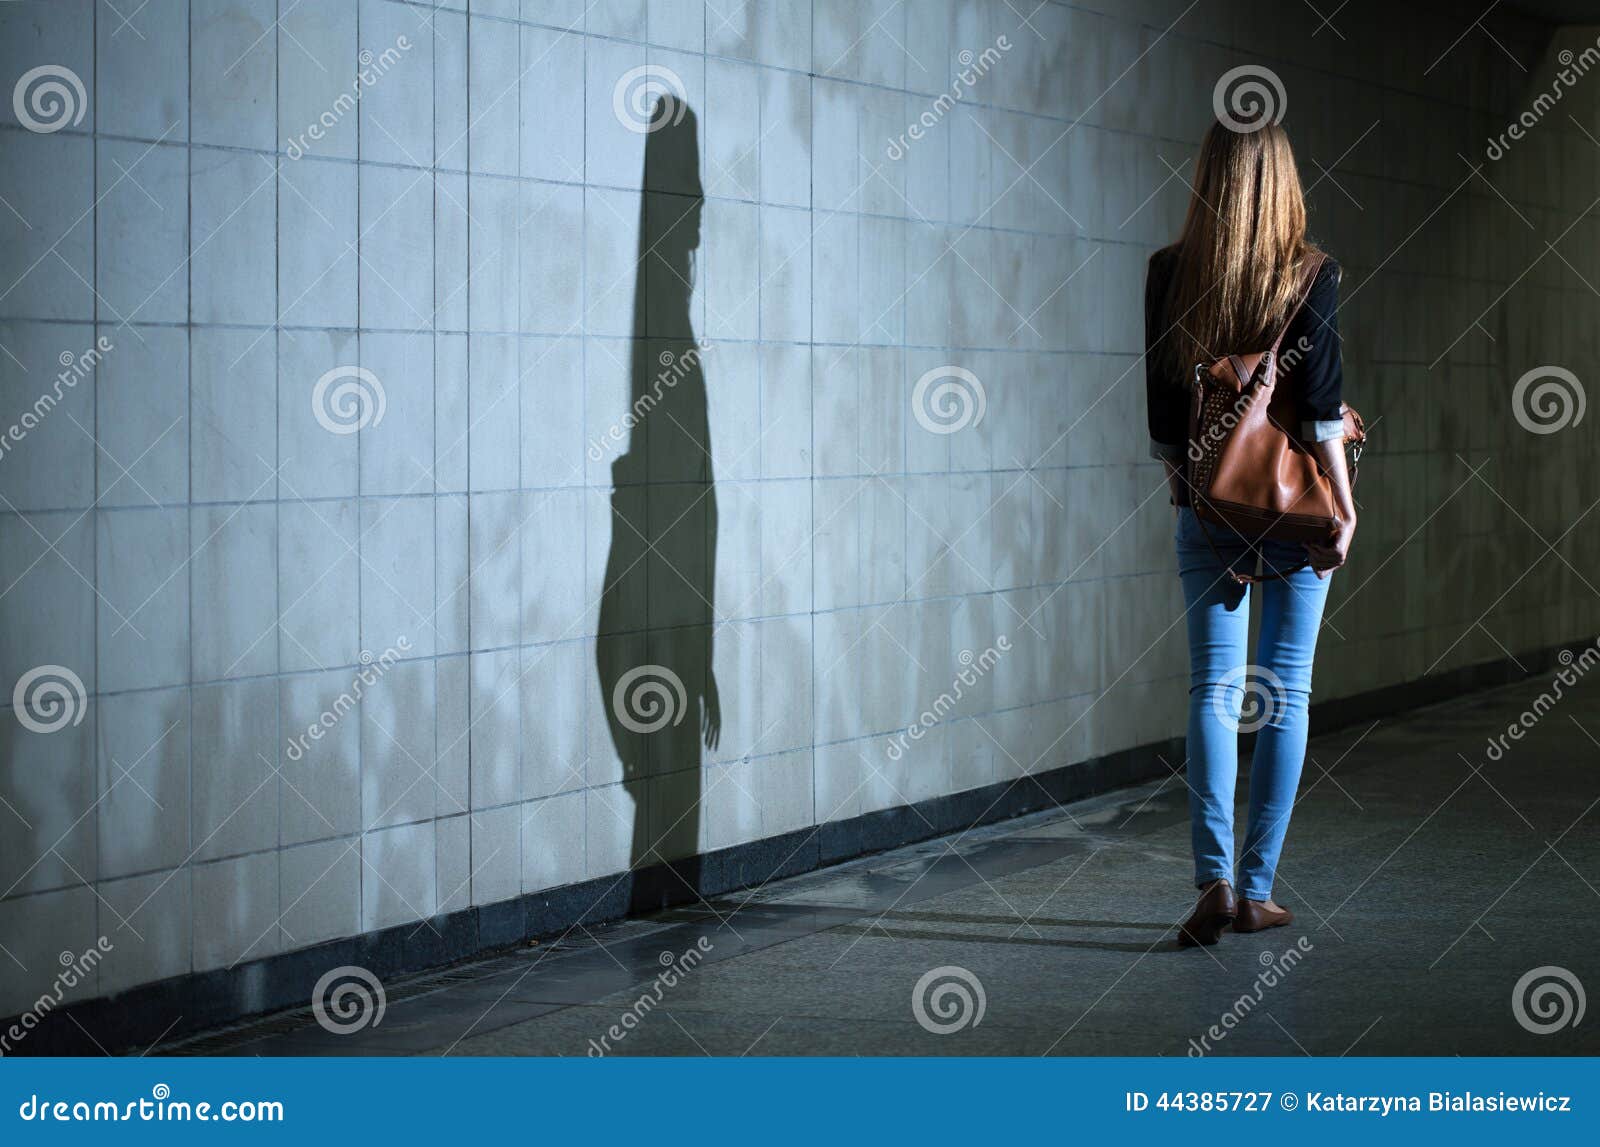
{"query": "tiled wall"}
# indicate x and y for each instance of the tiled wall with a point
(222, 566)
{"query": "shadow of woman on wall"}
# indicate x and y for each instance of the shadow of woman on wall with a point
(657, 620)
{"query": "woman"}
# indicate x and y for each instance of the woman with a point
(1225, 287)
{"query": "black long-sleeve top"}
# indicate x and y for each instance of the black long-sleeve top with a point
(1308, 356)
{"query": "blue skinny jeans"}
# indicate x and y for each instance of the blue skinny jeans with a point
(1268, 697)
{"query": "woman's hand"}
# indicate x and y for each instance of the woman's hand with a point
(1330, 555)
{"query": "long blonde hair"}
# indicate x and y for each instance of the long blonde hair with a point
(1242, 247)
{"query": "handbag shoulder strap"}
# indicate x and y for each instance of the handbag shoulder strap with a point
(1308, 277)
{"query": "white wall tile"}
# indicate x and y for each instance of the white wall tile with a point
(141, 55)
(142, 232)
(234, 769)
(236, 911)
(233, 209)
(233, 54)
(141, 571)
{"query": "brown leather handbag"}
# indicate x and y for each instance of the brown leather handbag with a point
(1248, 470)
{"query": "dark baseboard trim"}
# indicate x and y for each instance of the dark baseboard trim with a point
(139, 1016)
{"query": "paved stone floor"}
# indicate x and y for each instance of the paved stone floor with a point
(1427, 880)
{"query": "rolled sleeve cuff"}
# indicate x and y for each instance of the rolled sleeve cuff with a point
(1165, 452)
(1327, 431)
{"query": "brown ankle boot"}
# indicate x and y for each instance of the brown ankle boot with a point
(1254, 915)
(1213, 911)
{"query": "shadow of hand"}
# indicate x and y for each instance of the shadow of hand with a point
(711, 712)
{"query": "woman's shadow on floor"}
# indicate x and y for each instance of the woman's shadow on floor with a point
(654, 654)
